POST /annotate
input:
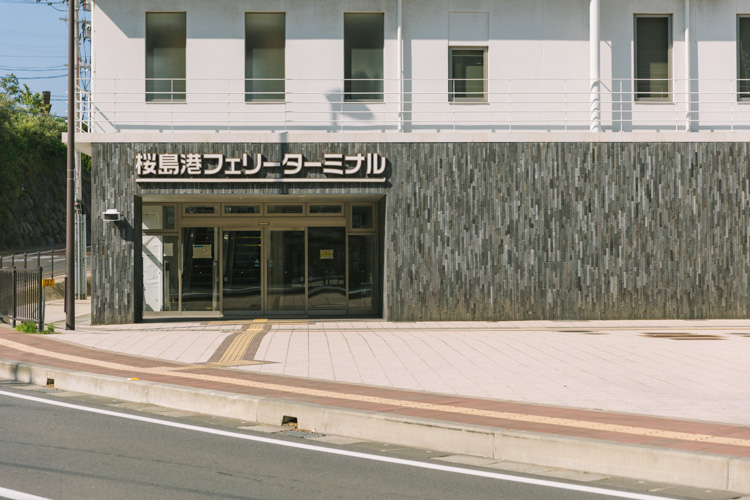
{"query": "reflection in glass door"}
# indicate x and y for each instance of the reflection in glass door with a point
(286, 271)
(200, 269)
(242, 271)
(363, 274)
(326, 269)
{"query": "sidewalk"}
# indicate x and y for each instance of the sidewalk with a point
(659, 400)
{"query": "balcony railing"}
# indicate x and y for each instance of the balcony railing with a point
(505, 105)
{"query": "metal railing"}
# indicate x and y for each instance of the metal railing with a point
(413, 105)
(22, 296)
(44, 259)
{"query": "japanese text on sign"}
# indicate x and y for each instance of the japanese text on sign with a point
(163, 167)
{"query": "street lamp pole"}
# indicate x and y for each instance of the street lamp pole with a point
(70, 288)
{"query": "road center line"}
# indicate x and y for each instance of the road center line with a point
(346, 453)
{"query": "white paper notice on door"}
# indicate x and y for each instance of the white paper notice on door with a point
(202, 251)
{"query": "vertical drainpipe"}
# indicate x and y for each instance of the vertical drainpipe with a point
(688, 84)
(400, 51)
(594, 66)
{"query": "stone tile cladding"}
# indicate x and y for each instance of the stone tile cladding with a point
(502, 231)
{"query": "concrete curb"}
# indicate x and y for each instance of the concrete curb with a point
(699, 470)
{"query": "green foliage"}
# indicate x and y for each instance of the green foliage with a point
(30, 327)
(20, 97)
(27, 327)
(32, 155)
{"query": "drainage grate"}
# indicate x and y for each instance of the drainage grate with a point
(681, 336)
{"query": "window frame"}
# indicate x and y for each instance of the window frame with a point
(742, 96)
(281, 97)
(637, 95)
(452, 98)
(179, 96)
(352, 96)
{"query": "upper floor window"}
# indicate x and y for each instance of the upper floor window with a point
(363, 57)
(743, 57)
(165, 56)
(468, 74)
(653, 49)
(265, 38)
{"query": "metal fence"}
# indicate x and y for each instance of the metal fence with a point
(42, 258)
(22, 295)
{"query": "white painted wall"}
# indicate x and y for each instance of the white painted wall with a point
(537, 66)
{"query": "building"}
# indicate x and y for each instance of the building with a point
(420, 159)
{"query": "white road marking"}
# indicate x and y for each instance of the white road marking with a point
(346, 453)
(18, 495)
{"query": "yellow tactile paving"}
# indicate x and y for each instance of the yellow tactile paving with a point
(239, 346)
(518, 417)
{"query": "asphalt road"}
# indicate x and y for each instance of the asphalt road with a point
(69, 452)
(52, 263)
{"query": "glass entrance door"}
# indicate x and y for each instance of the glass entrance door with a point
(200, 269)
(326, 269)
(286, 271)
(242, 276)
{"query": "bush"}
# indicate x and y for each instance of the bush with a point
(27, 327)
(30, 327)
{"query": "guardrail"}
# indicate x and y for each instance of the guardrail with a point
(45, 259)
(22, 295)
(414, 105)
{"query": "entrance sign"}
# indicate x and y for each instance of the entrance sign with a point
(293, 167)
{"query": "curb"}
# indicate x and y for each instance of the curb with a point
(700, 470)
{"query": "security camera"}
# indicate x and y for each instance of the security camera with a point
(111, 215)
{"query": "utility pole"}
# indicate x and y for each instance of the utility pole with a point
(70, 303)
(80, 216)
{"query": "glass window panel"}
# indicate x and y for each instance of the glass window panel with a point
(200, 282)
(265, 38)
(242, 209)
(156, 217)
(468, 75)
(200, 210)
(652, 58)
(363, 56)
(242, 271)
(326, 268)
(165, 56)
(362, 217)
(325, 209)
(363, 273)
(743, 66)
(160, 273)
(285, 209)
(286, 271)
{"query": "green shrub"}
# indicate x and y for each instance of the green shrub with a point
(27, 327)
(30, 327)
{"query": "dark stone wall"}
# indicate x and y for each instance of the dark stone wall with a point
(504, 231)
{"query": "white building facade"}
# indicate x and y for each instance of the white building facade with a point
(420, 159)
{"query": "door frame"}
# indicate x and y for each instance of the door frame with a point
(265, 221)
